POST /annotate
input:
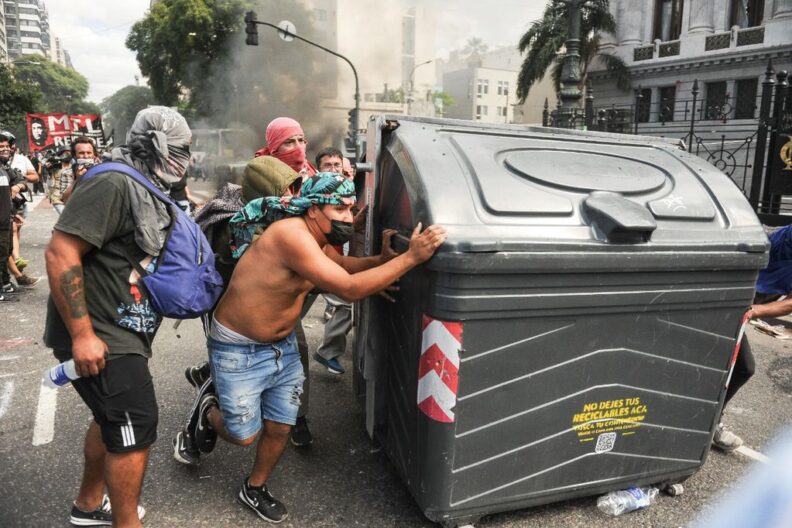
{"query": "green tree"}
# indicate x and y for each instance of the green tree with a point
(119, 110)
(62, 89)
(179, 42)
(17, 97)
(546, 36)
(442, 101)
(195, 57)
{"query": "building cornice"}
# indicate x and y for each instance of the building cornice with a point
(703, 63)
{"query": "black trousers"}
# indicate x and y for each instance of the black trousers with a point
(5, 251)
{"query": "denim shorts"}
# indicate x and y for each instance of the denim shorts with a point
(255, 382)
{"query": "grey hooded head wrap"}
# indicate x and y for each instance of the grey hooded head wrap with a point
(157, 144)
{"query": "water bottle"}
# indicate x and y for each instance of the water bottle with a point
(60, 375)
(623, 501)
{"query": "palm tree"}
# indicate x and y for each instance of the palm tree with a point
(474, 46)
(546, 36)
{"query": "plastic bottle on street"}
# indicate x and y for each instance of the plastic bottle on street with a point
(624, 501)
(60, 375)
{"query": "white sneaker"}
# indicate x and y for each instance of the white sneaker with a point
(725, 440)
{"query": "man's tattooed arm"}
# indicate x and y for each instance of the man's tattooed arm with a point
(72, 287)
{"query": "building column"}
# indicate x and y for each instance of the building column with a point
(701, 17)
(629, 23)
(781, 9)
(608, 41)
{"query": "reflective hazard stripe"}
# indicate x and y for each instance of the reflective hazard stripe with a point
(438, 370)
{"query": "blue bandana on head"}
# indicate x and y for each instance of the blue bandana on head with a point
(326, 188)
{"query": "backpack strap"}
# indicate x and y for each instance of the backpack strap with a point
(114, 166)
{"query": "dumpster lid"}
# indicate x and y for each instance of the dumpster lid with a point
(513, 187)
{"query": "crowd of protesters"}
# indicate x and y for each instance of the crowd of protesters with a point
(50, 174)
(293, 218)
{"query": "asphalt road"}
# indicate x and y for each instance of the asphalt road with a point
(342, 480)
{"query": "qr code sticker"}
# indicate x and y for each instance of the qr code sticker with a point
(605, 442)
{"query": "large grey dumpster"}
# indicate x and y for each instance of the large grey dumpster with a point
(575, 332)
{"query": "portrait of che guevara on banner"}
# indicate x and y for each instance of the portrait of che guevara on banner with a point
(50, 131)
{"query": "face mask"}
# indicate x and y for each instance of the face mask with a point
(340, 232)
(294, 158)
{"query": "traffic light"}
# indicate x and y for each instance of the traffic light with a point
(251, 29)
(352, 129)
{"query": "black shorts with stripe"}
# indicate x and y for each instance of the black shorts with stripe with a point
(122, 401)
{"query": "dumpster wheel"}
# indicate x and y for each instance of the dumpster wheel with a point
(464, 522)
(674, 490)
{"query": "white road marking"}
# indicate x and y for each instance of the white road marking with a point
(750, 453)
(5, 397)
(8, 358)
(44, 429)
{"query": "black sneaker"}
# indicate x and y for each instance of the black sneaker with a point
(9, 289)
(101, 516)
(205, 435)
(8, 298)
(192, 421)
(185, 450)
(197, 376)
(261, 501)
(301, 436)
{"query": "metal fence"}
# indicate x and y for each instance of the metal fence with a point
(731, 131)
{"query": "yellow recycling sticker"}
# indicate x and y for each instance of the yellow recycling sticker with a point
(608, 416)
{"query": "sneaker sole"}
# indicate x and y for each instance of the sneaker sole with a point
(141, 511)
(243, 502)
(89, 522)
(177, 456)
(191, 380)
(203, 389)
(303, 444)
(204, 431)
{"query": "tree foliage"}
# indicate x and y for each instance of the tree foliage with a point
(474, 46)
(62, 89)
(195, 57)
(17, 97)
(179, 41)
(546, 36)
(119, 110)
(442, 100)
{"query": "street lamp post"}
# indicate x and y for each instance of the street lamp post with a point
(569, 95)
(251, 21)
(506, 108)
(412, 88)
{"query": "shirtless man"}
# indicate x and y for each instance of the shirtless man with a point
(252, 348)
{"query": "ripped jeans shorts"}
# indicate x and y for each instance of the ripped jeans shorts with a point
(255, 382)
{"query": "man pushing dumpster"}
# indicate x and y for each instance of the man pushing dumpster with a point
(253, 352)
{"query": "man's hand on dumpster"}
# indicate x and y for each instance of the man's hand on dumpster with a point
(387, 252)
(424, 244)
(359, 220)
(773, 309)
(386, 293)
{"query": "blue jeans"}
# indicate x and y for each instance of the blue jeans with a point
(255, 382)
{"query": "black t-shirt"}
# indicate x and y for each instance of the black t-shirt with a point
(100, 212)
(8, 178)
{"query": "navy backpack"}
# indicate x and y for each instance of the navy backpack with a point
(184, 283)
